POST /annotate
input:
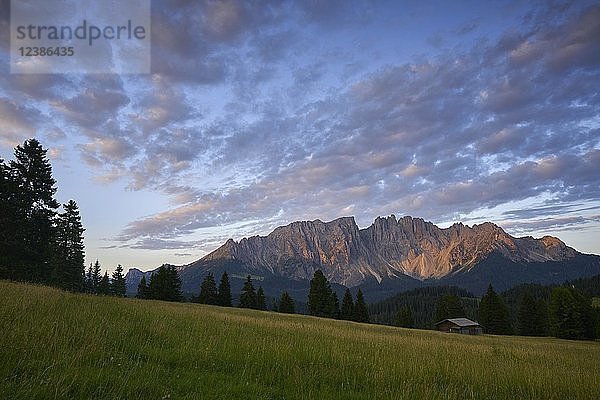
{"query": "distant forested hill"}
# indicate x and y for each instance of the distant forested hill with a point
(422, 303)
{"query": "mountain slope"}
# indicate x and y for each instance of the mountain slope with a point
(387, 249)
(393, 254)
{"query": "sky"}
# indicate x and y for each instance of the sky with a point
(257, 114)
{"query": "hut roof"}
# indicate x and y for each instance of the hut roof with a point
(463, 322)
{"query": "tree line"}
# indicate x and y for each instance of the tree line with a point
(40, 240)
(421, 304)
(566, 314)
(322, 299)
(164, 284)
(94, 282)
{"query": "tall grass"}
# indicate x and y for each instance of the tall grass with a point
(62, 345)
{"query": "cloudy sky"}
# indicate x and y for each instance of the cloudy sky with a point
(258, 114)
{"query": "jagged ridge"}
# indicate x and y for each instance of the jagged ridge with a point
(389, 248)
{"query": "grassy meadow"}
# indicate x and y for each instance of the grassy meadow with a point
(71, 346)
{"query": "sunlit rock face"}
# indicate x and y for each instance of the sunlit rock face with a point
(388, 248)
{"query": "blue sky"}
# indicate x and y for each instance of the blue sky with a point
(257, 115)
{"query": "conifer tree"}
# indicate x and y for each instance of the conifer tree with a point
(347, 309)
(321, 299)
(11, 246)
(95, 277)
(118, 285)
(104, 285)
(142, 289)
(165, 284)
(35, 189)
(87, 282)
(92, 278)
(532, 316)
(157, 284)
(260, 299)
(68, 252)
(174, 283)
(334, 305)
(225, 291)
(493, 314)
(361, 312)
(34, 242)
(248, 295)
(208, 290)
(404, 318)
(286, 304)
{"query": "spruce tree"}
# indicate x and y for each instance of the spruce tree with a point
(118, 284)
(94, 277)
(11, 213)
(320, 297)
(334, 305)
(157, 284)
(142, 289)
(174, 285)
(224, 291)
(286, 304)
(532, 316)
(104, 285)
(404, 318)
(87, 282)
(260, 299)
(68, 252)
(493, 314)
(347, 309)
(35, 189)
(248, 295)
(361, 312)
(208, 290)
(526, 315)
(165, 284)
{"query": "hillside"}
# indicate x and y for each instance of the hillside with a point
(62, 345)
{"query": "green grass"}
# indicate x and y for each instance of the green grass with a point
(61, 345)
(596, 302)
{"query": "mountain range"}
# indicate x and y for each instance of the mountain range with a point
(389, 256)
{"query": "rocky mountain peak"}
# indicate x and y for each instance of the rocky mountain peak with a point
(389, 248)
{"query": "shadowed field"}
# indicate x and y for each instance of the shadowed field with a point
(62, 345)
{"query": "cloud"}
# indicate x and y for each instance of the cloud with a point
(17, 123)
(107, 149)
(466, 27)
(432, 138)
(533, 212)
(156, 244)
(98, 102)
(553, 224)
(271, 114)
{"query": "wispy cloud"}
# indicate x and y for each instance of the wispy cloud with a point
(277, 113)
